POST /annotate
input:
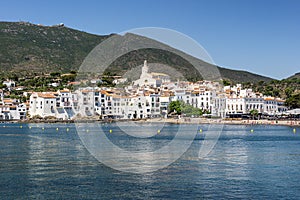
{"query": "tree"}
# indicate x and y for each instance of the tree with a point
(73, 72)
(68, 78)
(226, 82)
(261, 82)
(55, 74)
(181, 108)
(2, 86)
(175, 106)
(293, 101)
(13, 77)
(288, 92)
(107, 80)
(254, 113)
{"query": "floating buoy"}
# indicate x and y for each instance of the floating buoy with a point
(29, 127)
(56, 129)
(158, 131)
(67, 129)
(200, 131)
(43, 128)
(110, 131)
(21, 126)
(251, 130)
(294, 130)
(87, 130)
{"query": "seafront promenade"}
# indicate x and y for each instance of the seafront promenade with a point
(224, 121)
(170, 121)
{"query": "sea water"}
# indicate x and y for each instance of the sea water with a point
(49, 161)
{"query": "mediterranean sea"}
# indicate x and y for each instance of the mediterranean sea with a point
(49, 161)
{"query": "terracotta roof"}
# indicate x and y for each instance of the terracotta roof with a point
(46, 95)
(7, 100)
(269, 98)
(74, 83)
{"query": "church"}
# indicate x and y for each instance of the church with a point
(151, 79)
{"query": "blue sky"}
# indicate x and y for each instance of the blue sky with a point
(259, 36)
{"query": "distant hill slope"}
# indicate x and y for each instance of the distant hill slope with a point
(25, 46)
(242, 76)
(296, 75)
(35, 48)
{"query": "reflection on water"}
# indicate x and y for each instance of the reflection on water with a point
(52, 163)
(136, 155)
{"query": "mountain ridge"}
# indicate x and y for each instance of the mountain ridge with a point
(31, 48)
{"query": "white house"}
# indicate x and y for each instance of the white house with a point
(270, 106)
(5, 113)
(219, 106)
(18, 112)
(43, 104)
(235, 105)
(9, 83)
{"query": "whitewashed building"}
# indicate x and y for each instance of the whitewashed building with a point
(43, 104)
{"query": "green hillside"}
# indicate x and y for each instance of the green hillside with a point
(28, 48)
